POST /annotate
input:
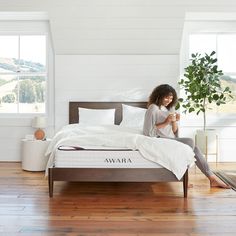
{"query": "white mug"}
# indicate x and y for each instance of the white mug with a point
(173, 116)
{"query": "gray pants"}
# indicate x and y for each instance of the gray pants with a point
(200, 159)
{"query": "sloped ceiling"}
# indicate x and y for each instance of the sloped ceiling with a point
(117, 26)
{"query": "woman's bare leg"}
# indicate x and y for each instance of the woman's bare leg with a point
(203, 165)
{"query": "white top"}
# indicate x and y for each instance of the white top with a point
(155, 115)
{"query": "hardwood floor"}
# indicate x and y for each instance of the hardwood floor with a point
(113, 209)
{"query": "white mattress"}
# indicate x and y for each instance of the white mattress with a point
(102, 159)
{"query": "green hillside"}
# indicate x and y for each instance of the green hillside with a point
(11, 65)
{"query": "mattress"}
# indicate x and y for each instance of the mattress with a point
(102, 159)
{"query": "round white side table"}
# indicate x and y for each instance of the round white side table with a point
(32, 154)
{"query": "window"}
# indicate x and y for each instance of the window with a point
(23, 73)
(225, 47)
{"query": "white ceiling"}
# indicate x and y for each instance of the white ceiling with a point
(114, 26)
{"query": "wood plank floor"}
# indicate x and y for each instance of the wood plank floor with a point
(113, 209)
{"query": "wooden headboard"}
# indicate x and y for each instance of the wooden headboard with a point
(74, 114)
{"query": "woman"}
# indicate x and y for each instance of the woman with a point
(161, 121)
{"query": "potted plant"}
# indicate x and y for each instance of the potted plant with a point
(202, 87)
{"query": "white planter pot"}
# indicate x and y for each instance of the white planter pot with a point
(207, 141)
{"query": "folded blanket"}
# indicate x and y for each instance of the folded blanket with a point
(172, 155)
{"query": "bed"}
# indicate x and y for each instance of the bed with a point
(89, 174)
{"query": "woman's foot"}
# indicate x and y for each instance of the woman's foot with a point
(216, 182)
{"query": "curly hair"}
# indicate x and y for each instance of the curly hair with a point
(160, 92)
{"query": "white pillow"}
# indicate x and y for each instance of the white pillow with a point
(132, 116)
(96, 116)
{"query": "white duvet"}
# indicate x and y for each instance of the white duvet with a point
(172, 155)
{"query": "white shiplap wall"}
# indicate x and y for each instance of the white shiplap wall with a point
(109, 78)
(127, 46)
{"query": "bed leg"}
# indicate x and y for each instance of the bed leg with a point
(50, 182)
(185, 184)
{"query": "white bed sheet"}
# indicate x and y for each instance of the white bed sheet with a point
(171, 154)
(102, 159)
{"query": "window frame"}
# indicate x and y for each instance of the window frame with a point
(217, 35)
(204, 27)
(216, 50)
(27, 28)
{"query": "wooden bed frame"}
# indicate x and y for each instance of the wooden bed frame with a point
(110, 174)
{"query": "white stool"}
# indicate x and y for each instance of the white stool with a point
(32, 155)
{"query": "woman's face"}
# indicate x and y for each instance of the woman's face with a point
(167, 100)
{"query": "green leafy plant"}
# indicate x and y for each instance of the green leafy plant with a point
(202, 85)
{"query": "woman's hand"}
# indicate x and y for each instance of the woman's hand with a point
(169, 119)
